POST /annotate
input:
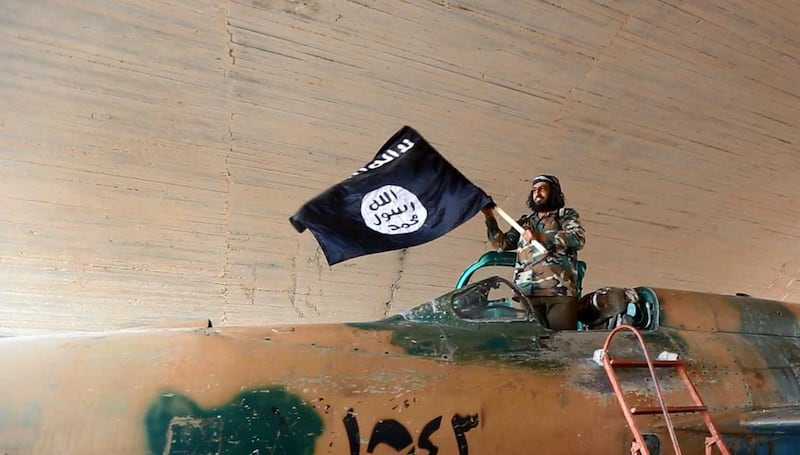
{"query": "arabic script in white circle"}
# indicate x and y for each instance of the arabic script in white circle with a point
(392, 209)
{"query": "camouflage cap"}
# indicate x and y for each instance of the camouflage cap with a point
(551, 179)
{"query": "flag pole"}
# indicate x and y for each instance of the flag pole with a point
(539, 247)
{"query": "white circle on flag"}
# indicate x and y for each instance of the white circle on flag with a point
(392, 209)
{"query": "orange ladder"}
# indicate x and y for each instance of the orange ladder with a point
(639, 446)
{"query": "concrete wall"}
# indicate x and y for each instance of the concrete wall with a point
(151, 153)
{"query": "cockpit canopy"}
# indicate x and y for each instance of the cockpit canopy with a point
(492, 299)
(496, 299)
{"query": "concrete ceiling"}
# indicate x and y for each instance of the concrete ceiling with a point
(151, 153)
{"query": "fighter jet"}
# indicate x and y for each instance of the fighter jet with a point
(474, 371)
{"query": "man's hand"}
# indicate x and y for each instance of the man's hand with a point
(530, 235)
(491, 225)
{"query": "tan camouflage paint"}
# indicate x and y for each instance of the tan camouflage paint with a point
(77, 394)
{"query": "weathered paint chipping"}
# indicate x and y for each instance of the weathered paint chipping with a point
(82, 394)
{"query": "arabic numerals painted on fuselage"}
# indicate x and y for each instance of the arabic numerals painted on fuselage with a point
(396, 435)
(461, 425)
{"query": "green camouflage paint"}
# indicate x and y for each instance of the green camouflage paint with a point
(268, 420)
(454, 339)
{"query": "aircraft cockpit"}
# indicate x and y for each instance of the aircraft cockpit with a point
(492, 299)
(495, 299)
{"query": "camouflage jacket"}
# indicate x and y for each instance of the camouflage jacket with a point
(553, 273)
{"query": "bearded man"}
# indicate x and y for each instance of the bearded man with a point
(548, 279)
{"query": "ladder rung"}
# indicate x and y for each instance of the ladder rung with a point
(627, 363)
(670, 409)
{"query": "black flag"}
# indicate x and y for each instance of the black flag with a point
(407, 195)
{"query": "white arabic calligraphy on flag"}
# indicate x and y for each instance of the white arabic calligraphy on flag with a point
(408, 194)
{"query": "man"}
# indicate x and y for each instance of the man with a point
(550, 279)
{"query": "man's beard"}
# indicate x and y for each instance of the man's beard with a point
(553, 202)
(548, 205)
